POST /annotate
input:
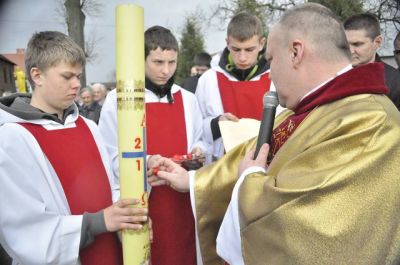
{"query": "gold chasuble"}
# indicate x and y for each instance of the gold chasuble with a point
(331, 194)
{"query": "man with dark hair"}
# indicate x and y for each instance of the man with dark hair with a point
(330, 193)
(201, 64)
(235, 87)
(172, 128)
(364, 36)
(396, 51)
(55, 196)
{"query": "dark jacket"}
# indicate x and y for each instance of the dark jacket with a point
(190, 83)
(392, 80)
(91, 112)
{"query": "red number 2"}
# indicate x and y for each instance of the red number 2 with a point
(138, 141)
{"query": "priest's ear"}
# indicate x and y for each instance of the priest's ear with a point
(296, 52)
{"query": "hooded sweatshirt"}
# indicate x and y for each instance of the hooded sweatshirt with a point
(16, 143)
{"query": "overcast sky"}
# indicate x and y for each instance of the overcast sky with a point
(19, 19)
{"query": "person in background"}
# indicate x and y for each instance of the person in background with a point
(172, 128)
(57, 187)
(99, 93)
(235, 87)
(20, 79)
(193, 71)
(364, 36)
(396, 51)
(331, 190)
(201, 64)
(89, 109)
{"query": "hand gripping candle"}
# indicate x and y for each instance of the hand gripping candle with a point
(131, 123)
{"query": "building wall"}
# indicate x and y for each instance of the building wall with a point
(7, 80)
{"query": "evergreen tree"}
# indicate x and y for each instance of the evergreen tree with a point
(191, 43)
(342, 8)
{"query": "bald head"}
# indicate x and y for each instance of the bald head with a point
(99, 92)
(305, 48)
(319, 26)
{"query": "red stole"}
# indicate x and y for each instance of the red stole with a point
(243, 98)
(84, 180)
(171, 211)
(366, 79)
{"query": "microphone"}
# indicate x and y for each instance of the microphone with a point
(270, 102)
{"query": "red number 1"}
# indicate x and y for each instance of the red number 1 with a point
(138, 164)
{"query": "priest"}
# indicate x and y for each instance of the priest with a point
(331, 189)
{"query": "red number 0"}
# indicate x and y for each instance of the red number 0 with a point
(138, 164)
(138, 141)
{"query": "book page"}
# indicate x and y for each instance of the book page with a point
(234, 133)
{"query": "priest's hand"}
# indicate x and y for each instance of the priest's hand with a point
(260, 161)
(121, 215)
(166, 172)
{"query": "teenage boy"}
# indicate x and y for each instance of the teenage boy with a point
(235, 87)
(172, 128)
(55, 193)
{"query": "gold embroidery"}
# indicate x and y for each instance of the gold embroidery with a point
(279, 137)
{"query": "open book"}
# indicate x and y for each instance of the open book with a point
(236, 132)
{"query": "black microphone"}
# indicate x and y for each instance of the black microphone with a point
(270, 101)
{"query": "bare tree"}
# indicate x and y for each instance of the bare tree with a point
(387, 11)
(74, 13)
(266, 10)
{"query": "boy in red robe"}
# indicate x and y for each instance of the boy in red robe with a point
(56, 182)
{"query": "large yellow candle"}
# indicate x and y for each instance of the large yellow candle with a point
(131, 123)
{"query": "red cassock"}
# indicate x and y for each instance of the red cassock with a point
(243, 98)
(171, 213)
(84, 181)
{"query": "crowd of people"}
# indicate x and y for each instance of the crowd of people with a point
(324, 191)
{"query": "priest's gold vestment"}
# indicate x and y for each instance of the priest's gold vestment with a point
(330, 196)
